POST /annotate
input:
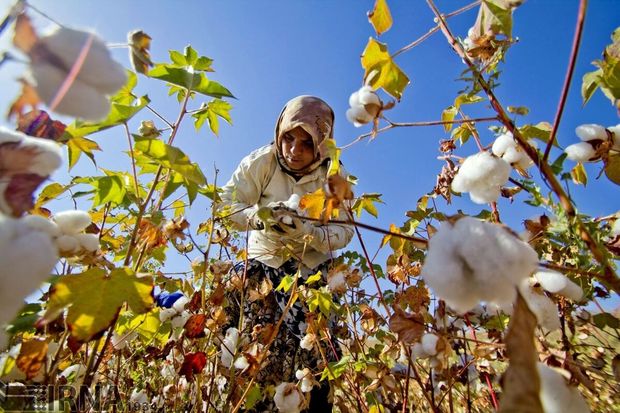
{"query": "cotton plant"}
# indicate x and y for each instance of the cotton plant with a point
(596, 141)
(289, 398)
(431, 347)
(27, 257)
(229, 347)
(365, 106)
(556, 396)
(506, 147)
(73, 73)
(306, 379)
(472, 261)
(172, 308)
(481, 175)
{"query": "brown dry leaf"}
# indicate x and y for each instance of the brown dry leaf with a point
(338, 189)
(444, 180)
(416, 297)
(409, 327)
(195, 326)
(370, 319)
(217, 296)
(262, 290)
(150, 235)
(38, 123)
(139, 45)
(174, 229)
(28, 97)
(32, 357)
(25, 37)
(521, 383)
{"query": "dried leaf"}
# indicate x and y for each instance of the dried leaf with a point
(195, 326)
(32, 355)
(193, 363)
(25, 37)
(415, 297)
(409, 327)
(139, 45)
(39, 124)
(28, 97)
(521, 382)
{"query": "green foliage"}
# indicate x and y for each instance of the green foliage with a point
(366, 202)
(210, 112)
(607, 76)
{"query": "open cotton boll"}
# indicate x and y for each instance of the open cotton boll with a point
(48, 156)
(485, 195)
(591, 131)
(72, 222)
(25, 154)
(241, 363)
(429, 343)
(166, 314)
(367, 96)
(580, 152)
(288, 398)
(88, 242)
(615, 131)
(98, 69)
(502, 143)
(615, 228)
(293, 202)
(556, 395)
(512, 155)
(67, 243)
(543, 308)
(180, 320)
(473, 261)
(358, 116)
(179, 305)
(484, 174)
(81, 100)
(558, 283)
(229, 346)
(42, 224)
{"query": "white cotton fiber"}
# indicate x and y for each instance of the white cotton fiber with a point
(580, 152)
(558, 283)
(429, 343)
(542, 306)
(88, 242)
(73, 221)
(42, 224)
(47, 158)
(229, 346)
(502, 143)
(590, 132)
(615, 130)
(288, 398)
(483, 174)
(358, 116)
(67, 244)
(556, 395)
(367, 96)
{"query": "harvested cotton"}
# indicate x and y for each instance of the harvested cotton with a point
(482, 175)
(472, 261)
(556, 395)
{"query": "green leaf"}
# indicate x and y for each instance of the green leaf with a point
(147, 326)
(95, 297)
(380, 17)
(589, 84)
(367, 202)
(462, 133)
(466, 99)
(189, 79)
(210, 112)
(335, 369)
(286, 283)
(540, 131)
(170, 157)
(612, 168)
(77, 145)
(579, 175)
(321, 299)
(381, 71)
(210, 88)
(50, 192)
(108, 189)
(125, 95)
(447, 115)
(603, 320)
(253, 396)
(495, 16)
(518, 110)
(25, 320)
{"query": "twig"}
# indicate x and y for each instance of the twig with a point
(133, 161)
(583, 4)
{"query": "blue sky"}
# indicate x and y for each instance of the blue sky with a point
(267, 52)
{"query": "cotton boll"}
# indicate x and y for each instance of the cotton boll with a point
(337, 282)
(307, 342)
(590, 132)
(615, 228)
(81, 100)
(558, 283)
(74, 372)
(67, 244)
(88, 242)
(502, 143)
(615, 131)
(556, 395)
(485, 195)
(166, 314)
(48, 156)
(180, 320)
(543, 308)
(241, 363)
(358, 116)
(367, 96)
(138, 397)
(483, 174)
(354, 99)
(179, 305)
(429, 344)
(98, 69)
(512, 155)
(580, 152)
(42, 224)
(229, 346)
(293, 202)
(288, 398)
(10, 136)
(72, 222)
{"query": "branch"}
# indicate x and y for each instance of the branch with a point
(569, 75)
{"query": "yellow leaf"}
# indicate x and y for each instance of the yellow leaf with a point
(381, 71)
(95, 297)
(139, 45)
(612, 168)
(387, 238)
(313, 203)
(32, 355)
(579, 175)
(380, 17)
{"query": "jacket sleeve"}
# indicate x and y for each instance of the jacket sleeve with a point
(331, 237)
(242, 193)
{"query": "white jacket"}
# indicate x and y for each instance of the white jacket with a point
(258, 181)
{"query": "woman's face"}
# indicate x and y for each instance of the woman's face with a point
(297, 149)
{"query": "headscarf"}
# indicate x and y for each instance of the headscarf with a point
(315, 117)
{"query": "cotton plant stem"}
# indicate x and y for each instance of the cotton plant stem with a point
(581, 16)
(133, 160)
(609, 276)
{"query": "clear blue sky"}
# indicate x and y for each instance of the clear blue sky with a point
(266, 52)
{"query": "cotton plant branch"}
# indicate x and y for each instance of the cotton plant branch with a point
(392, 125)
(609, 276)
(583, 4)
